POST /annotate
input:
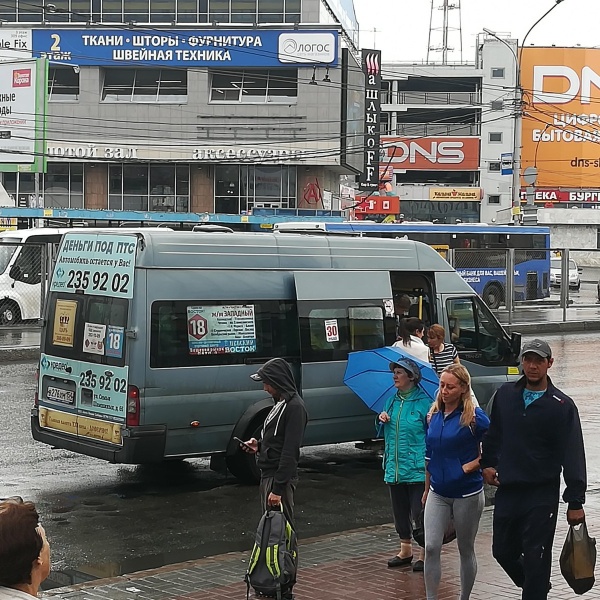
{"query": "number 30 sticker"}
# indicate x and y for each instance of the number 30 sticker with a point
(331, 330)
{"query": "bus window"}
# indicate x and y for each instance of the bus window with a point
(366, 327)
(181, 336)
(476, 333)
(27, 267)
(7, 250)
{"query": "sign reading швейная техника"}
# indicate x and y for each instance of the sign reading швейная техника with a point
(205, 48)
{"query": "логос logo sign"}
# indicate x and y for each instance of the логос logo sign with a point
(307, 48)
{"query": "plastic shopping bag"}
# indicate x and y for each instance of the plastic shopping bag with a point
(578, 559)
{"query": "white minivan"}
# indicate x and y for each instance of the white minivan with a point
(22, 253)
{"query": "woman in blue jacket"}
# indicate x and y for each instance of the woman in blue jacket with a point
(454, 483)
(404, 420)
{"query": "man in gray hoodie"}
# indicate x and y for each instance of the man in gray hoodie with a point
(281, 437)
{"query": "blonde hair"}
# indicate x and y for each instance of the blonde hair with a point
(468, 406)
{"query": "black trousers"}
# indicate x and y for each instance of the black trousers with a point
(524, 527)
(406, 506)
(287, 498)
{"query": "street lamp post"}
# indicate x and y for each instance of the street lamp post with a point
(518, 114)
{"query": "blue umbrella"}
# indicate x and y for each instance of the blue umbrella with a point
(368, 375)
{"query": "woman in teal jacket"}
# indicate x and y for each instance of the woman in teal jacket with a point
(404, 420)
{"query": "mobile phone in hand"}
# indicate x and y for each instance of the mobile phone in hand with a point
(237, 439)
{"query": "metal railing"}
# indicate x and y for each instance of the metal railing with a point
(554, 285)
(424, 129)
(433, 98)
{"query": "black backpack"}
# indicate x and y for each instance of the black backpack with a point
(274, 559)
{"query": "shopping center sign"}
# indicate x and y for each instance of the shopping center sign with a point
(561, 126)
(553, 195)
(123, 46)
(431, 153)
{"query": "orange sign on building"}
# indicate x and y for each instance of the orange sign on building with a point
(432, 153)
(561, 125)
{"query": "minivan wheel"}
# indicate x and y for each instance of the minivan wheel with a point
(243, 465)
(492, 295)
(9, 313)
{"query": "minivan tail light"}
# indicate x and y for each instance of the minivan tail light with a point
(36, 396)
(133, 406)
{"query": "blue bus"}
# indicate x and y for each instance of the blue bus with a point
(479, 252)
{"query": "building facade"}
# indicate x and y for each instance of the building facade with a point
(445, 128)
(205, 106)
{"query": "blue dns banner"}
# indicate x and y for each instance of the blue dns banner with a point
(186, 48)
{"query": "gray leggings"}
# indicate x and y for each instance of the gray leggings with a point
(466, 513)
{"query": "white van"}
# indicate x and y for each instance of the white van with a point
(25, 258)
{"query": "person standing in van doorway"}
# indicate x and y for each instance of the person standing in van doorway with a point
(281, 438)
(535, 434)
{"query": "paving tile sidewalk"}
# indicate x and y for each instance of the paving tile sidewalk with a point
(347, 566)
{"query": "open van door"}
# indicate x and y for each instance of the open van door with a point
(339, 312)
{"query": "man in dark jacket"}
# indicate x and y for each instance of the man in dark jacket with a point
(281, 437)
(534, 434)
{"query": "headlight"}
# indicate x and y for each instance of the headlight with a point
(572, 276)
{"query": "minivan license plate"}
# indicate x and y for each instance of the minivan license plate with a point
(63, 396)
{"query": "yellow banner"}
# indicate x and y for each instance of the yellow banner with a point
(458, 194)
(64, 323)
(82, 426)
(7, 224)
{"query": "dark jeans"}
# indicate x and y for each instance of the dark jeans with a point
(406, 506)
(524, 527)
(287, 498)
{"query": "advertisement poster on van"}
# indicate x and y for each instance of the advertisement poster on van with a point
(561, 123)
(221, 329)
(96, 264)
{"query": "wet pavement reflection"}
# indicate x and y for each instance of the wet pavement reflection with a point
(105, 520)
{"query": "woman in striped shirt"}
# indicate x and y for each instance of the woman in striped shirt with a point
(442, 354)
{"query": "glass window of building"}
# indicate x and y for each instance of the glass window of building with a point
(144, 85)
(63, 84)
(162, 11)
(154, 11)
(255, 86)
(63, 185)
(142, 187)
(240, 188)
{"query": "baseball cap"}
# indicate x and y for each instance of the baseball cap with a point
(256, 376)
(539, 347)
(408, 365)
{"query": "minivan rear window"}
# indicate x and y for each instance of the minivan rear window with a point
(87, 328)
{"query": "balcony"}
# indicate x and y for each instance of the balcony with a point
(435, 129)
(431, 98)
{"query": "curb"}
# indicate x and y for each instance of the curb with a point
(553, 327)
(19, 354)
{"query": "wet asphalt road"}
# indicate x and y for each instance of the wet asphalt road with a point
(105, 520)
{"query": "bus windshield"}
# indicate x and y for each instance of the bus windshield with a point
(7, 249)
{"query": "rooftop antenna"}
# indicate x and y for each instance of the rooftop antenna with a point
(448, 28)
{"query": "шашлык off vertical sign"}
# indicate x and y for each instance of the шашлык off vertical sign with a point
(371, 65)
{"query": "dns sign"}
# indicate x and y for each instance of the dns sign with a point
(197, 327)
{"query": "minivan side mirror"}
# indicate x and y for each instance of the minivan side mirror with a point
(515, 343)
(15, 272)
(580, 270)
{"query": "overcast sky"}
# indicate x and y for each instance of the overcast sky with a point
(402, 26)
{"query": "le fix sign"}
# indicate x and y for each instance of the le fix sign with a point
(432, 153)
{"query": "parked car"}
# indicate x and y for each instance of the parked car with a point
(555, 274)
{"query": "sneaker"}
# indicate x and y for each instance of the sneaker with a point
(396, 561)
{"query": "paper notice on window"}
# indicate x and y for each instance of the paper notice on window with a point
(64, 323)
(93, 338)
(332, 333)
(221, 329)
